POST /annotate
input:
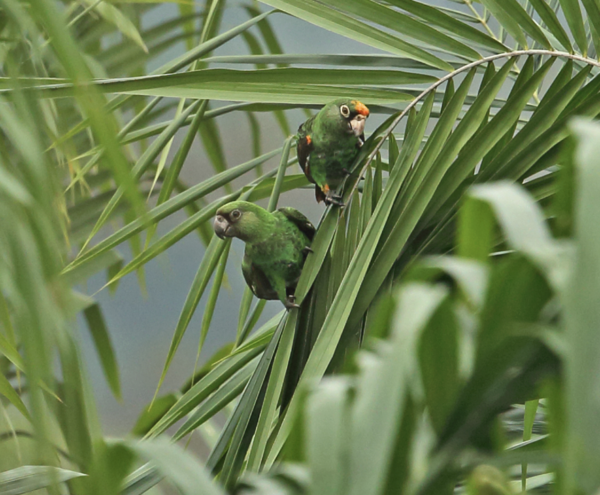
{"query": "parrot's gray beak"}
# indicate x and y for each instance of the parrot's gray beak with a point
(358, 124)
(221, 227)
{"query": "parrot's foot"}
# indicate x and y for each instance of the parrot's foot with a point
(334, 200)
(307, 249)
(330, 198)
(290, 302)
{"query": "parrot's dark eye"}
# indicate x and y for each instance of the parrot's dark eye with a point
(235, 214)
(345, 111)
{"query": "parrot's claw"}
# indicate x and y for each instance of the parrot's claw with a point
(290, 303)
(307, 249)
(334, 200)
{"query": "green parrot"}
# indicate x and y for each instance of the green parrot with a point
(276, 246)
(328, 143)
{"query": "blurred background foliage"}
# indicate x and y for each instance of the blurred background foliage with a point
(447, 336)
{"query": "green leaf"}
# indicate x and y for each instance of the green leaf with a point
(9, 392)
(205, 270)
(552, 23)
(278, 374)
(523, 224)
(149, 417)
(286, 85)
(334, 21)
(581, 313)
(382, 389)
(113, 15)
(216, 402)
(513, 9)
(244, 418)
(511, 20)
(144, 162)
(405, 25)
(206, 386)
(177, 466)
(327, 427)
(437, 16)
(572, 13)
(26, 479)
(104, 347)
(439, 357)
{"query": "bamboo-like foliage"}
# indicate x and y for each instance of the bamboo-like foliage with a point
(459, 280)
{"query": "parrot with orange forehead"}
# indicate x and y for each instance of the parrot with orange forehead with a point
(328, 143)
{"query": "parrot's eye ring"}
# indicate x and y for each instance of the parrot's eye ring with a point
(345, 111)
(235, 214)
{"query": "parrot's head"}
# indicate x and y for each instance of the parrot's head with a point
(241, 219)
(349, 115)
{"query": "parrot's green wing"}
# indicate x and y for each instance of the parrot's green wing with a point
(300, 220)
(257, 281)
(304, 147)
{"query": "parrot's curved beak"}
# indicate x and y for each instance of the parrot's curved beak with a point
(221, 227)
(358, 124)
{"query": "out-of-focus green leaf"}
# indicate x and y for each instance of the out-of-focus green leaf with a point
(581, 312)
(26, 479)
(9, 392)
(104, 347)
(177, 466)
(113, 15)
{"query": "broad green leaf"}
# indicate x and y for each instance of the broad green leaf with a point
(438, 350)
(177, 466)
(382, 389)
(582, 452)
(327, 427)
(523, 224)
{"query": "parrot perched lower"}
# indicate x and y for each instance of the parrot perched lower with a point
(328, 143)
(276, 246)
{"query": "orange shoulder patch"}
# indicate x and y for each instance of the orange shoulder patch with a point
(308, 140)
